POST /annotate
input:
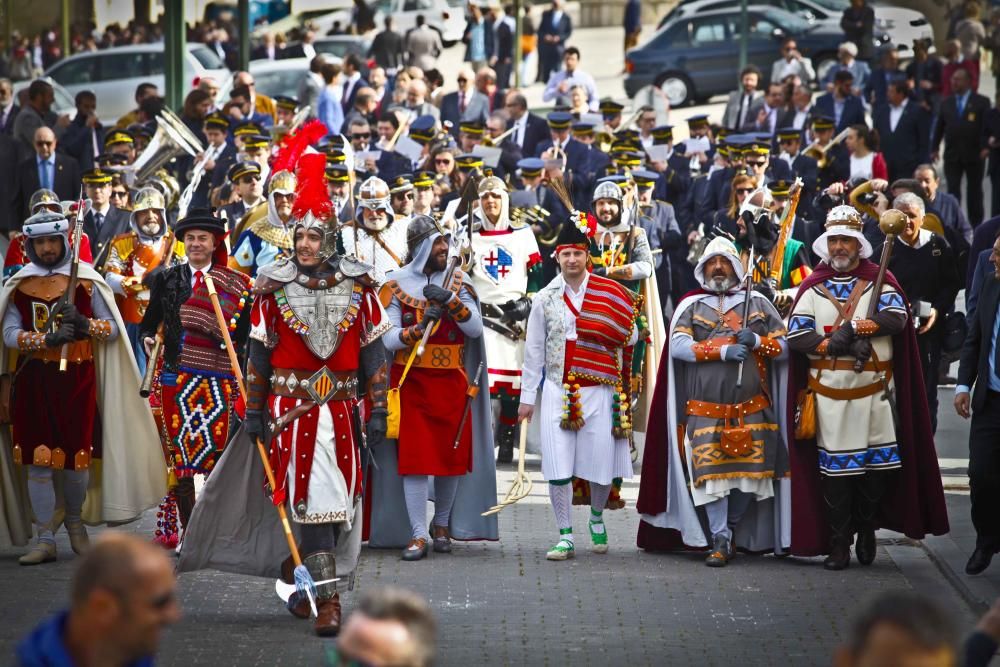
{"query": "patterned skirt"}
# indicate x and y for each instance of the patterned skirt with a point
(196, 408)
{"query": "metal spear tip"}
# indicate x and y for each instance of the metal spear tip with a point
(892, 222)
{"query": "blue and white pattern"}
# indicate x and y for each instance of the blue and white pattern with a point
(801, 324)
(857, 462)
(892, 301)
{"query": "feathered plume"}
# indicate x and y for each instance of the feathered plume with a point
(312, 195)
(295, 143)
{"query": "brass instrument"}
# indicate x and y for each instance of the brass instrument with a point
(172, 139)
(859, 193)
(490, 142)
(818, 153)
(536, 215)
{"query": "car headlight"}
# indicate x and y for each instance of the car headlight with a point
(916, 23)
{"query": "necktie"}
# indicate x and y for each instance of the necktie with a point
(960, 101)
(98, 220)
(45, 180)
(996, 350)
(741, 112)
(199, 281)
(461, 103)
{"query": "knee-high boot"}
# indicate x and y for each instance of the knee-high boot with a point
(184, 492)
(837, 494)
(869, 489)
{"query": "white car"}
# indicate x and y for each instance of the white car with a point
(273, 77)
(445, 16)
(113, 74)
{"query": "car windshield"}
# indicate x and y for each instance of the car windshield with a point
(835, 5)
(790, 23)
(340, 47)
(279, 82)
(207, 58)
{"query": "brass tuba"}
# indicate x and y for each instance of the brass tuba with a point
(818, 153)
(172, 139)
(864, 199)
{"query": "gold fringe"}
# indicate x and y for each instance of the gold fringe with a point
(733, 475)
(572, 425)
(718, 429)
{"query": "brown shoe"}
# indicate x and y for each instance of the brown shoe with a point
(298, 605)
(328, 622)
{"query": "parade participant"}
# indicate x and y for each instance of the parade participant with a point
(717, 387)
(835, 164)
(103, 222)
(338, 188)
(560, 145)
(506, 272)
(871, 462)
(401, 198)
(219, 152)
(376, 237)
(535, 192)
(803, 166)
(674, 174)
(148, 245)
(581, 331)
(120, 142)
(423, 193)
(264, 234)
(658, 220)
(249, 189)
(285, 108)
(197, 383)
(42, 199)
(438, 435)
(95, 395)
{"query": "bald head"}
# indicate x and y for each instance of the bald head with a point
(114, 562)
(45, 142)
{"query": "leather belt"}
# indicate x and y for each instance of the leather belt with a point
(319, 386)
(851, 393)
(435, 356)
(841, 365)
(727, 410)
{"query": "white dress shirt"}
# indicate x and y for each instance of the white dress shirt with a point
(895, 113)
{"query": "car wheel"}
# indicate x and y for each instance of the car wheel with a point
(677, 88)
(824, 62)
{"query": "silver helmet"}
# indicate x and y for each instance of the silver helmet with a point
(46, 223)
(327, 229)
(374, 196)
(421, 227)
(607, 190)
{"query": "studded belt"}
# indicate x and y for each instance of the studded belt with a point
(726, 410)
(436, 356)
(319, 386)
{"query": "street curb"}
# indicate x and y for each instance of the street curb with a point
(923, 572)
(977, 591)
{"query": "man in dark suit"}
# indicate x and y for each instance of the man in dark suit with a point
(353, 80)
(980, 366)
(842, 105)
(504, 46)
(876, 89)
(103, 222)
(466, 103)
(531, 129)
(803, 166)
(904, 131)
(8, 107)
(553, 31)
(960, 123)
(561, 144)
(84, 136)
(991, 132)
(268, 49)
(387, 48)
(47, 169)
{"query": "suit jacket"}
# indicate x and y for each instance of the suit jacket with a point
(853, 114)
(730, 117)
(7, 127)
(536, 131)
(907, 146)
(751, 124)
(424, 46)
(387, 49)
(576, 154)
(546, 27)
(477, 107)
(974, 363)
(10, 219)
(963, 136)
(65, 180)
(877, 86)
(347, 101)
(308, 93)
(116, 222)
(489, 43)
(260, 53)
(78, 142)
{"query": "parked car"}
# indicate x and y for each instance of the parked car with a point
(64, 103)
(272, 77)
(342, 45)
(892, 24)
(113, 74)
(445, 16)
(693, 58)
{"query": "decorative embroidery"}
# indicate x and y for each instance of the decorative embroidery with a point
(202, 404)
(857, 462)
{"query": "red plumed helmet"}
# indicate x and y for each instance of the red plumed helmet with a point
(312, 195)
(294, 144)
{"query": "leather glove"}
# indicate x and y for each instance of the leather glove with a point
(255, 425)
(747, 338)
(435, 293)
(516, 310)
(601, 271)
(66, 333)
(377, 427)
(840, 341)
(861, 349)
(736, 352)
(432, 314)
(70, 312)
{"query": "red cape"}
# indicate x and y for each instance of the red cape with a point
(914, 502)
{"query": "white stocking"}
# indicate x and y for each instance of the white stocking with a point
(43, 501)
(415, 493)
(561, 496)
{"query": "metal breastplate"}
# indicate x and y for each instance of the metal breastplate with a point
(322, 311)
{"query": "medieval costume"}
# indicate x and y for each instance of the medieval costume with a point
(440, 434)
(727, 471)
(378, 240)
(314, 347)
(42, 200)
(582, 340)
(506, 272)
(866, 465)
(99, 439)
(197, 386)
(264, 235)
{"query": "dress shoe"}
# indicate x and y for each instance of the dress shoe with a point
(78, 538)
(979, 561)
(298, 605)
(840, 555)
(415, 550)
(442, 540)
(328, 621)
(722, 552)
(864, 546)
(505, 442)
(42, 552)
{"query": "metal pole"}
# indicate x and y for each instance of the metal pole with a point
(744, 32)
(244, 12)
(518, 33)
(64, 28)
(174, 45)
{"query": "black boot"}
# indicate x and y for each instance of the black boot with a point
(868, 494)
(505, 442)
(837, 492)
(184, 492)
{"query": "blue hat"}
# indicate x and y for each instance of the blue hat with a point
(700, 120)
(644, 177)
(531, 166)
(422, 128)
(618, 179)
(788, 133)
(560, 120)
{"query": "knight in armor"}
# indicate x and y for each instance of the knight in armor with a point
(506, 272)
(314, 353)
(148, 245)
(444, 422)
(42, 199)
(42, 326)
(265, 234)
(197, 384)
(376, 237)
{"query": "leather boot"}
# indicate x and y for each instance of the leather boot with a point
(505, 441)
(837, 492)
(328, 621)
(868, 495)
(184, 492)
(298, 605)
(78, 538)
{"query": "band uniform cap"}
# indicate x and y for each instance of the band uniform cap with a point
(424, 179)
(243, 168)
(473, 127)
(615, 179)
(400, 184)
(116, 137)
(610, 108)
(337, 172)
(246, 128)
(789, 133)
(201, 218)
(469, 161)
(217, 120)
(96, 176)
(724, 132)
(560, 120)
(285, 102)
(663, 132)
(110, 160)
(256, 141)
(696, 121)
(531, 166)
(644, 177)
(779, 187)
(335, 156)
(146, 130)
(823, 123)
(583, 129)
(422, 128)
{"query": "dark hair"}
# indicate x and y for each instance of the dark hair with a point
(390, 118)
(38, 88)
(420, 20)
(519, 99)
(316, 63)
(867, 136)
(409, 610)
(151, 106)
(193, 99)
(329, 71)
(143, 88)
(83, 96)
(572, 51)
(354, 60)
(900, 86)
(927, 167)
(843, 75)
(388, 22)
(239, 91)
(919, 617)
(910, 185)
(750, 69)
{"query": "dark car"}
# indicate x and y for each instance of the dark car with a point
(693, 58)
(343, 45)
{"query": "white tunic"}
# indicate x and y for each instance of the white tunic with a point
(361, 243)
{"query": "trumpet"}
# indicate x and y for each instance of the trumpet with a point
(818, 153)
(490, 142)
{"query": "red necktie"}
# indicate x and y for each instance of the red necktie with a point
(199, 281)
(461, 103)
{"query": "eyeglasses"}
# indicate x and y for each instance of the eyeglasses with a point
(361, 135)
(462, 79)
(752, 163)
(120, 194)
(744, 191)
(44, 143)
(403, 195)
(442, 160)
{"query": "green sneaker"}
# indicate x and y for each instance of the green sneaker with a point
(563, 550)
(598, 535)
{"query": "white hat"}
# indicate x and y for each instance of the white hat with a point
(842, 221)
(850, 47)
(720, 245)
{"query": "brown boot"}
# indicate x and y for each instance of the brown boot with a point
(328, 622)
(298, 605)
